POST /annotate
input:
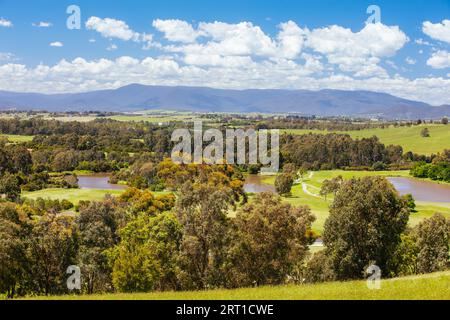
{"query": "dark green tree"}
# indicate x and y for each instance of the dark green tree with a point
(366, 220)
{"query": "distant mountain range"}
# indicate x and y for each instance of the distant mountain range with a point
(140, 97)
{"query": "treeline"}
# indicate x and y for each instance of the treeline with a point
(334, 124)
(101, 134)
(438, 169)
(312, 124)
(336, 151)
(140, 242)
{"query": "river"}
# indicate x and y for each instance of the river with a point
(422, 190)
(98, 182)
(255, 184)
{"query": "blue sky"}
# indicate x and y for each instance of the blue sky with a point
(230, 44)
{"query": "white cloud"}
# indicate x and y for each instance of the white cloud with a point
(56, 44)
(92, 41)
(437, 31)
(176, 30)
(112, 47)
(410, 61)
(291, 39)
(240, 56)
(5, 23)
(422, 42)
(439, 60)
(112, 28)
(42, 24)
(357, 52)
(84, 75)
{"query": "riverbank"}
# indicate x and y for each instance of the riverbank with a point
(307, 193)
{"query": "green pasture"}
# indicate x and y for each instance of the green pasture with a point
(407, 137)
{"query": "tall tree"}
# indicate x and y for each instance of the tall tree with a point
(270, 241)
(52, 249)
(202, 211)
(366, 220)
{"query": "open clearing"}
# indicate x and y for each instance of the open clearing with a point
(73, 195)
(425, 287)
(320, 206)
(17, 139)
(407, 137)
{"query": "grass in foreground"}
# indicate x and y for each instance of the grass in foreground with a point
(407, 137)
(434, 286)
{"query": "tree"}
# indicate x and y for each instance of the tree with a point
(425, 133)
(52, 249)
(21, 159)
(146, 258)
(284, 183)
(10, 187)
(410, 202)
(98, 225)
(14, 229)
(270, 241)
(404, 260)
(202, 211)
(432, 238)
(318, 269)
(366, 220)
(331, 186)
(379, 166)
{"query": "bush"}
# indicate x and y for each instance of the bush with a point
(284, 183)
(432, 237)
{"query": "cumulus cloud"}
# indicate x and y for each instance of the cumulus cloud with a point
(85, 75)
(358, 52)
(56, 44)
(112, 28)
(176, 30)
(437, 31)
(439, 60)
(239, 56)
(5, 23)
(42, 24)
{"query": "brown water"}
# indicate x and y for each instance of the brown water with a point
(255, 184)
(98, 182)
(422, 190)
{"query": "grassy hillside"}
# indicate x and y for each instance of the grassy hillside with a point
(407, 137)
(425, 287)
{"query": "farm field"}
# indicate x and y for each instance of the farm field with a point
(433, 286)
(407, 137)
(309, 195)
